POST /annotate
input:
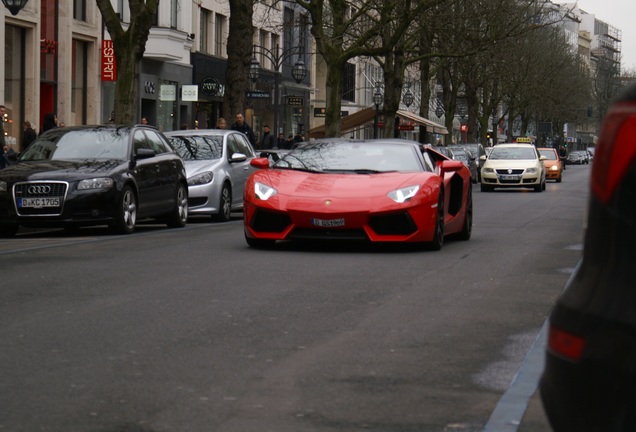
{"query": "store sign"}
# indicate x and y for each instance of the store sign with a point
(212, 87)
(321, 112)
(258, 94)
(295, 100)
(168, 92)
(189, 93)
(109, 67)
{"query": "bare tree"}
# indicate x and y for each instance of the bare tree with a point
(342, 30)
(129, 46)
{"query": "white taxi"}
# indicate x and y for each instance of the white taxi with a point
(513, 166)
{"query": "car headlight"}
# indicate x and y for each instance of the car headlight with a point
(264, 191)
(554, 168)
(403, 194)
(3, 186)
(96, 183)
(531, 170)
(200, 179)
(488, 170)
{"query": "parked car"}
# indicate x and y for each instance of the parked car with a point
(467, 158)
(217, 165)
(575, 158)
(553, 164)
(94, 175)
(478, 151)
(513, 166)
(380, 190)
(589, 378)
(445, 150)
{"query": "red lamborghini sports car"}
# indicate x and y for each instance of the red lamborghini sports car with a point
(375, 190)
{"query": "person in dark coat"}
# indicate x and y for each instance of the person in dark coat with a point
(29, 135)
(50, 122)
(563, 154)
(240, 126)
(268, 142)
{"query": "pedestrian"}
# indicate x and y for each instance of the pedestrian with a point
(8, 156)
(563, 154)
(221, 123)
(241, 126)
(144, 120)
(282, 143)
(3, 111)
(50, 122)
(298, 138)
(29, 135)
(268, 141)
(290, 141)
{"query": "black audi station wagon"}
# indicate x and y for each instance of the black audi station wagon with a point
(94, 175)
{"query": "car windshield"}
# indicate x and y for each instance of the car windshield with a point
(64, 144)
(517, 153)
(461, 155)
(198, 147)
(351, 157)
(550, 154)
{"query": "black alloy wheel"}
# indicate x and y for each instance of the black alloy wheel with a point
(438, 239)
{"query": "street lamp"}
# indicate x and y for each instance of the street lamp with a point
(14, 6)
(408, 98)
(276, 56)
(377, 100)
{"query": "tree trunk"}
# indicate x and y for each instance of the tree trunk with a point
(334, 99)
(239, 43)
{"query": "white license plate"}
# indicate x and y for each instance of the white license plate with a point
(509, 177)
(328, 223)
(39, 202)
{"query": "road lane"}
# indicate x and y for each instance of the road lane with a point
(191, 330)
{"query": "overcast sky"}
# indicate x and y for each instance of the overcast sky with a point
(620, 14)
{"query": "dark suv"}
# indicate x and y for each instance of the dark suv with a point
(589, 381)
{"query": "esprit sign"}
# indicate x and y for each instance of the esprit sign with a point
(109, 67)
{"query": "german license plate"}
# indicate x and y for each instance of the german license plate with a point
(328, 223)
(509, 177)
(39, 202)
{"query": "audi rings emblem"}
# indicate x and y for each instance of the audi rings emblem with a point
(39, 190)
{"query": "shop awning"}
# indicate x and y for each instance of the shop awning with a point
(347, 123)
(362, 117)
(431, 126)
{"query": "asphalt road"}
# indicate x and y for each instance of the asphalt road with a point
(175, 330)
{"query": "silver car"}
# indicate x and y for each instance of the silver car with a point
(217, 164)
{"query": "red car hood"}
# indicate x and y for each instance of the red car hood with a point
(302, 184)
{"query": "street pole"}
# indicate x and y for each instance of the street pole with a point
(276, 131)
(299, 71)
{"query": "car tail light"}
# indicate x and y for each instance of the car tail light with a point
(616, 149)
(565, 344)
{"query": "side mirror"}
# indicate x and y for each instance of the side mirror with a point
(144, 153)
(452, 165)
(260, 163)
(238, 157)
